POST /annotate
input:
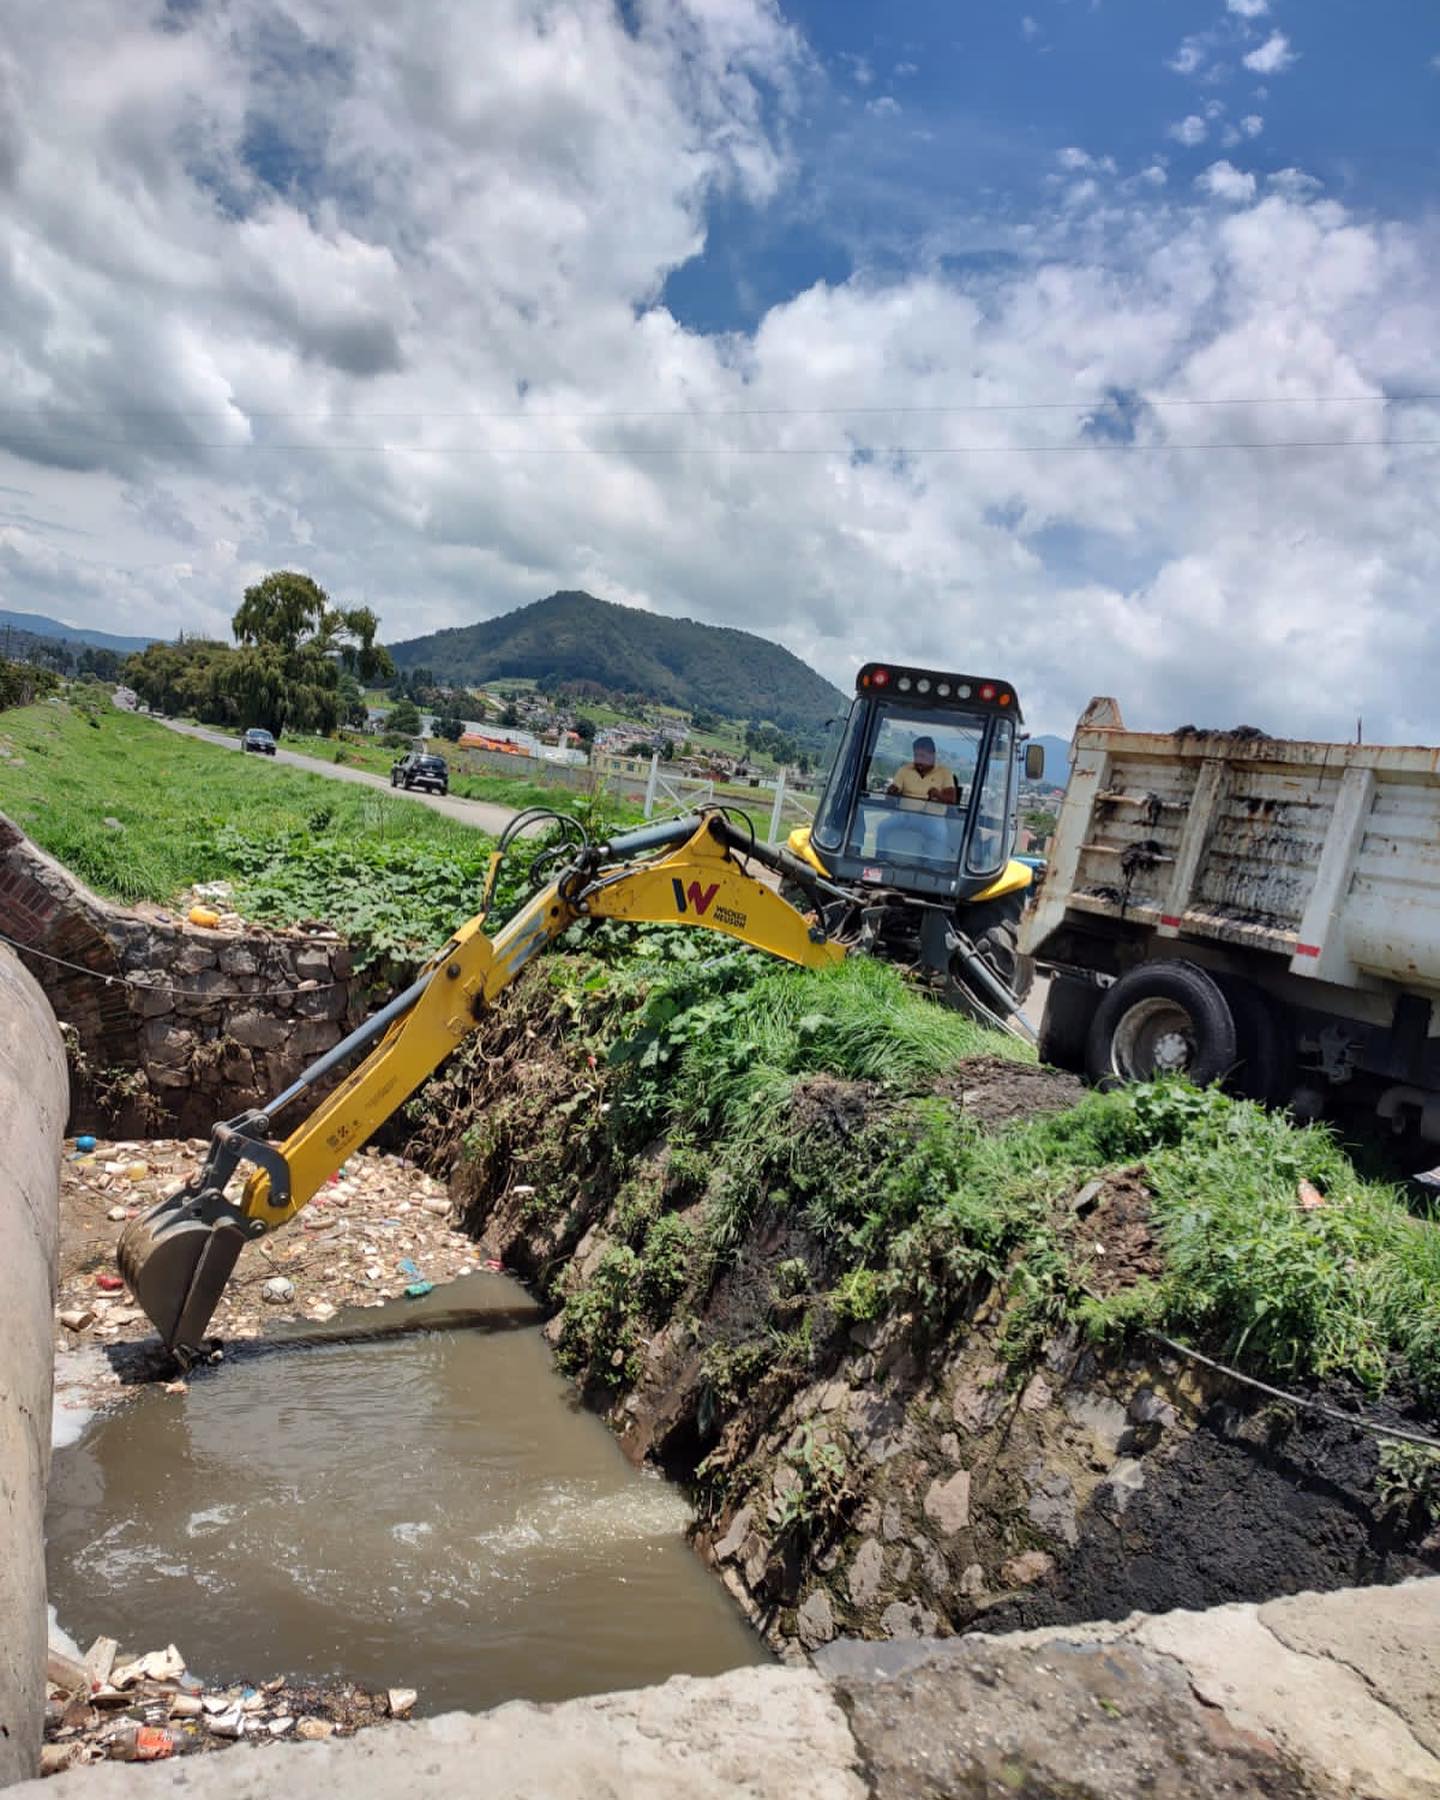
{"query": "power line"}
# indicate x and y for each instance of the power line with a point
(1098, 402)
(1090, 445)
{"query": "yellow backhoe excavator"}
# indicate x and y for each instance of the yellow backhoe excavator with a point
(178, 1256)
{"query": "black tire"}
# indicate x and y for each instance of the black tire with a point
(1165, 1018)
(1000, 946)
(1265, 1053)
(1070, 1005)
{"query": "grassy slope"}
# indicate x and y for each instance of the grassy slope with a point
(171, 795)
(916, 1202)
(298, 846)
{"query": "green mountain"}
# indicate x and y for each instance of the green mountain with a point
(575, 637)
(40, 626)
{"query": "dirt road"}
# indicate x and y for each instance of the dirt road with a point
(479, 813)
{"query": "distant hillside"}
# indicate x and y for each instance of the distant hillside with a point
(1057, 759)
(37, 625)
(575, 637)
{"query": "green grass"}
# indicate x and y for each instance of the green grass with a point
(179, 803)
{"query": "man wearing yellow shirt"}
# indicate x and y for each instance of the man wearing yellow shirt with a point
(922, 786)
(924, 778)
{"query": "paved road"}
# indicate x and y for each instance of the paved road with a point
(479, 813)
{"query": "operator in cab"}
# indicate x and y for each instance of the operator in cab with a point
(924, 778)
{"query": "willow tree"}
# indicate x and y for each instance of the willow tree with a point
(292, 648)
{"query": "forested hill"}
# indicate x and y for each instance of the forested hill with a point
(575, 637)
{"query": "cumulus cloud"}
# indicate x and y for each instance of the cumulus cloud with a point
(1190, 131)
(1248, 9)
(1223, 181)
(1272, 57)
(387, 304)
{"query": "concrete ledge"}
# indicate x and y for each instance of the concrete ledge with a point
(758, 1732)
(1308, 1698)
(34, 1098)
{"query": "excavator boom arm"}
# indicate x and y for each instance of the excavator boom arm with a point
(178, 1256)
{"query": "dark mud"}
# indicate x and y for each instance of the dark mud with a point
(1246, 1507)
(995, 1091)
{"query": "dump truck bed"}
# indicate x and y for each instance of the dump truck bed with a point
(1326, 855)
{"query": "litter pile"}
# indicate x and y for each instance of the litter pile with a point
(377, 1230)
(148, 1708)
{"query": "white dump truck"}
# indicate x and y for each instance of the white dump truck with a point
(1259, 910)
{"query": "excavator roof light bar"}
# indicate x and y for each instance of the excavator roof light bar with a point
(933, 687)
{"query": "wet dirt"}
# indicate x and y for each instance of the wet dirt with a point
(430, 1510)
(1113, 1231)
(995, 1091)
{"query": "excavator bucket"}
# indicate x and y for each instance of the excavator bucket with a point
(176, 1265)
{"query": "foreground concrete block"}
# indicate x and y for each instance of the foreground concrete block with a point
(1320, 1712)
(34, 1098)
(760, 1734)
(1091, 1722)
(1389, 1635)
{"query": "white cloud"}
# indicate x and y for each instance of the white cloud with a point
(1252, 125)
(1294, 182)
(1223, 181)
(1190, 131)
(1273, 57)
(1248, 9)
(883, 105)
(458, 268)
(1189, 58)
(1029, 28)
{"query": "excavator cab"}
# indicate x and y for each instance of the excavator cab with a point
(918, 818)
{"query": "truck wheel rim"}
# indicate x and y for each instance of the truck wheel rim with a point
(1154, 1037)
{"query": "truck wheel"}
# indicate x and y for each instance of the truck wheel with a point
(1265, 1066)
(1065, 1024)
(1167, 1018)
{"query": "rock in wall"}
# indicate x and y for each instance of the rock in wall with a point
(169, 1026)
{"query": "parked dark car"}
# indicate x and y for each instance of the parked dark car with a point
(416, 770)
(259, 741)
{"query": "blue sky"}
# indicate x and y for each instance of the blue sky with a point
(917, 112)
(792, 315)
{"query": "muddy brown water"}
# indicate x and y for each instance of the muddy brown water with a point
(429, 1510)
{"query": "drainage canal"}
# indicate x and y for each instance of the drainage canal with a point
(429, 1508)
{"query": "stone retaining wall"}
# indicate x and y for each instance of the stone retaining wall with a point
(169, 1026)
(32, 1116)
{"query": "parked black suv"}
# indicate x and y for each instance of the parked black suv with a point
(418, 771)
(259, 741)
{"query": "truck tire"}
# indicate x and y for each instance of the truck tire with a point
(1265, 1063)
(1065, 1024)
(1165, 1018)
